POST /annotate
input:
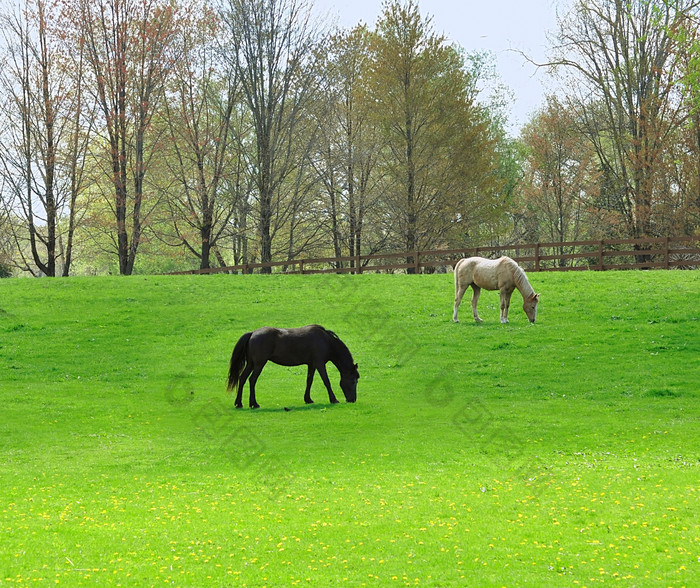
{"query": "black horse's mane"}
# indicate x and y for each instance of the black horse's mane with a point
(331, 333)
(337, 341)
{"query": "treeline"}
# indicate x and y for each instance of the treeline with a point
(155, 135)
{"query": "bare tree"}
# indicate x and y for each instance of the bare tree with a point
(6, 234)
(622, 64)
(128, 48)
(270, 44)
(558, 174)
(45, 129)
(201, 117)
(349, 142)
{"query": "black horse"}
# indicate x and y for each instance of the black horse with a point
(311, 345)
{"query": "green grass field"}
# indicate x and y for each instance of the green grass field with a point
(565, 453)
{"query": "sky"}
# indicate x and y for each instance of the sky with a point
(501, 27)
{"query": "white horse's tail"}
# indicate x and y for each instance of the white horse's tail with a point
(459, 291)
(456, 272)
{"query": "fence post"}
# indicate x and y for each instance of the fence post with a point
(301, 266)
(537, 257)
(667, 255)
(358, 265)
(600, 255)
(416, 260)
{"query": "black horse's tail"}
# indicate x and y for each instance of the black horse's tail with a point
(238, 361)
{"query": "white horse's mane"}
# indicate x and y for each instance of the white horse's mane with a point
(521, 281)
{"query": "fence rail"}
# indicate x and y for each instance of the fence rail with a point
(648, 253)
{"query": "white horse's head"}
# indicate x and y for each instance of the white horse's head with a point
(530, 306)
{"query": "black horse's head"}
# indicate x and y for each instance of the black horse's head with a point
(348, 383)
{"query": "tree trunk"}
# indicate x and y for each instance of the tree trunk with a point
(411, 218)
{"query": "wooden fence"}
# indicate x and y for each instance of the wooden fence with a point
(649, 253)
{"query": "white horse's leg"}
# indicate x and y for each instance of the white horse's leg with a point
(505, 303)
(475, 299)
(458, 300)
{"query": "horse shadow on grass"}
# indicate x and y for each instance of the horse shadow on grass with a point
(294, 408)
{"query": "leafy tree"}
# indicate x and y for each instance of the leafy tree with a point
(686, 158)
(439, 152)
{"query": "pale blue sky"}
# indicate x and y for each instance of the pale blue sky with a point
(498, 26)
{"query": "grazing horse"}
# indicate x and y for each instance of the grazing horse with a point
(311, 345)
(494, 274)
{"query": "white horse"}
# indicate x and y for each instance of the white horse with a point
(494, 274)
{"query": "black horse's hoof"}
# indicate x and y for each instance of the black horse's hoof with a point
(335, 401)
(256, 405)
(238, 405)
(308, 401)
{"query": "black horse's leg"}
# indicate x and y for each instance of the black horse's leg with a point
(241, 381)
(309, 381)
(324, 376)
(253, 379)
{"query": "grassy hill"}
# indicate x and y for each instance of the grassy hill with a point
(561, 453)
